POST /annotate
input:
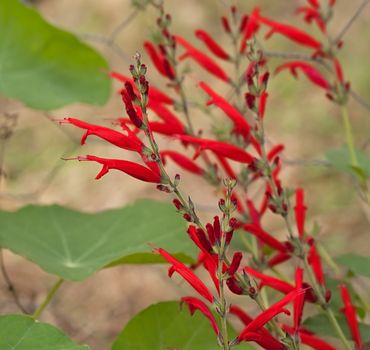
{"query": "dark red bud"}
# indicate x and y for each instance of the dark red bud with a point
(225, 24)
(234, 286)
(177, 204)
(327, 295)
(187, 217)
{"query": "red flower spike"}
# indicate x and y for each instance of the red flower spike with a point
(290, 32)
(300, 211)
(237, 258)
(269, 281)
(186, 273)
(196, 304)
(350, 313)
(135, 170)
(265, 237)
(262, 105)
(315, 262)
(130, 143)
(220, 148)
(311, 15)
(270, 313)
(311, 73)
(154, 94)
(206, 62)
(183, 161)
(241, 125)
(299, 301)
(211, 44)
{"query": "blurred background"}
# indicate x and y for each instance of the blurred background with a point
(298, 115)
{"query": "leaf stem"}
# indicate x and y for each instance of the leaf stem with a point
(48, 298)
(349, 135)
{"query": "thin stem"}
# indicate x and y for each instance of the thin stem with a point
(325, 307)
(349, 135)
(351, 20)
(48, 298)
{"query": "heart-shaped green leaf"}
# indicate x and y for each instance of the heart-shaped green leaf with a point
(74, 245)
(19, 332)
(46, 67)
(164, 326)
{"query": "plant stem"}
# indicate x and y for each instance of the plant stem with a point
(325, 307)
(349, 135)
(48, 298)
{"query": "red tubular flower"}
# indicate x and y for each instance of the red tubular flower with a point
(265, 237)
(267, 340)
(220, 148)
(211, 44)
(338, 70)
(183, 162)
(272, 282)
(241, 125)
(278, 258)
(199, 238)
(350, 313)
(168, 117)
(186, 273)
(300, 211)
(127, 98)
(250, 29)
(131, 142)
(290, 32)
(312, 14)
(299, 301)
(270, 313)
(274, 151)
(154, 93)
(315, 262)
(311, 73)
(196, 304)
(234, 286)
(227, 167)
(262, 104)
(159, 60)
(206, 62)
(268, 343)
(133, 169)
(237, 258)
(225, 24)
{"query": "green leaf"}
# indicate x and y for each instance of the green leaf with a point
(359, 265)
(320, 325)
(18, 332)
(74, 245)
(46, 67)
(341, 159)
(165, 326)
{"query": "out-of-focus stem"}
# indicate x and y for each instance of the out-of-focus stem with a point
(48, 298)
